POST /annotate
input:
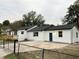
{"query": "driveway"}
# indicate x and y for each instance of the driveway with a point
(24, 46)
(4, 52)
(45, 45)
(35, 45)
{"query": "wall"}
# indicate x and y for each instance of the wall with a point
(65, 39)
(40, 36)
(44, 36)
(21, 36)
(74, 38)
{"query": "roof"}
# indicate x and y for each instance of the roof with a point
(51, 27)
(25, 27)
(61, 27)
(40, 28)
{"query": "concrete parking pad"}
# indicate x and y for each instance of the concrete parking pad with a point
(45, 45)
(4, 52)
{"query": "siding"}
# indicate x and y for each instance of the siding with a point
(65, 39)
(21, 36)
(40, 36)
(74, 39)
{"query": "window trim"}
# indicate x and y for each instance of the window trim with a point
(22, 32)
(60, 33)
(35, 34)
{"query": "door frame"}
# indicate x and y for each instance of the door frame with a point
(50, 37)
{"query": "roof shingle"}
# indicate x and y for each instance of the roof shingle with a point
(51, 27)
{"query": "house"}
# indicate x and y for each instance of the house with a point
(8, 31)
(38, 33)
(22, 32)
(61, 33)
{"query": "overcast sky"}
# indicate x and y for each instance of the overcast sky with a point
(52, 10)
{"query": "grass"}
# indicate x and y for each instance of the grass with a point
(11, 56)
(68, 52)
(25, 55)
(37, 55)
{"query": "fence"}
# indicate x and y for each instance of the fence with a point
(9, 45)
(32, 52)
(24, 51)
(49, 54)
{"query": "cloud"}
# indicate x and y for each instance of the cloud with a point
(52, 10)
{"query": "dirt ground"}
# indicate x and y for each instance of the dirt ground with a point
(62, 51)
(60, 47)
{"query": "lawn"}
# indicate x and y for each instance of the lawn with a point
(37, 55)
(25, 55)
(11, 56)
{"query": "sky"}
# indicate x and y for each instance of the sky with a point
(52, 10)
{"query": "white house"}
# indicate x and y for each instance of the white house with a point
(62, 33)
(38, 33)
(22, 32)
(8, 31)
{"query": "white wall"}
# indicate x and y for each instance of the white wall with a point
(21, 36)
(55, 38)
(44, 36)
(40, 36)
(74, 38)
(69, 36)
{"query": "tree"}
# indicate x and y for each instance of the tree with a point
(17, 24)
(6, 23)
(72, 15)
(0, 28)
(32, 19)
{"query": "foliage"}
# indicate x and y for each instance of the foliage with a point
(6, 23)
(72, 15)
(29, 19)
(17, 24)
(32, 19)
(7, 37)
(0, 28)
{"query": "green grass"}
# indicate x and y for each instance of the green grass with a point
(24, 55)
(11, 56)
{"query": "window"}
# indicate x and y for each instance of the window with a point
(60, 33)
(76, 35)
(22, 32)
(35, 34)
